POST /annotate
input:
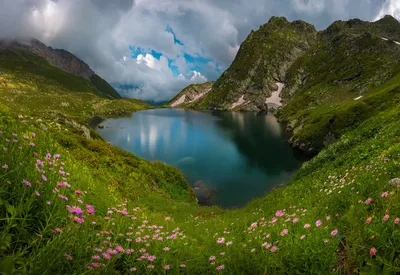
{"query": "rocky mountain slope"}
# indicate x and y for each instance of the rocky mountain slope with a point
(190, 95)
(24, 51)
(324, 78)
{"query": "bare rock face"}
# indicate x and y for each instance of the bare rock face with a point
(190, 94)
(59, 58)
(204, 194)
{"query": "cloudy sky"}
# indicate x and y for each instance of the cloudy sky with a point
(157, 47)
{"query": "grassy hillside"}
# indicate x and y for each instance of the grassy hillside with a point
(349, 75)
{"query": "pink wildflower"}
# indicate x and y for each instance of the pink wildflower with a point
(37, 193)
(212, 258)
(167, 267)
(68, 257)
(220, 267)
(27, 183)
(221, 241)
(318, 223)
(396, 221)
(334, 232)
(182, 265)
(5, 166)
(106, 256)
(284, 232)
(295, 220)
(385, 194)
(44, 178)
(132, 269)
(368, 201)
(168, 218)
(307, 225)
(279, 213)
(302, 237)
(166, 248)
(372, 251)
(274, 248)
(386, 217)
(151, 258)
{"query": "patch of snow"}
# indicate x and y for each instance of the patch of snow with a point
(357, 98)
(275, 100)
(196, 97)
(179, 101)
(398, 43)
(241, 101)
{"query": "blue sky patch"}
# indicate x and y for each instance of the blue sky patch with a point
(170, 30)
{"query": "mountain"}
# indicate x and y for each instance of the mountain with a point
(190, 95)
(36, 57)
(325, 80)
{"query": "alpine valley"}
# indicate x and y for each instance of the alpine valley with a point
(72, 203)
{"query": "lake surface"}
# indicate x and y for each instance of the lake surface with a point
(238, 155)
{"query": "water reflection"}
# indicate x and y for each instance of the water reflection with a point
(239, 155)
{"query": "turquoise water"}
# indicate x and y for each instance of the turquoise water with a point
(238, 155)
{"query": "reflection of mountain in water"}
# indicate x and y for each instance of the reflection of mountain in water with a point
(261, 139)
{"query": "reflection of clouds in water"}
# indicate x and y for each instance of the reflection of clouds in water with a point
(272, 123)
(152, 139)
(239, 117)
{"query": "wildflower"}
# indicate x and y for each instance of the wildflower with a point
(106, 218)
(229, 243)
(307, 225)
(369, 220)
(166, 248)
(222, 253)
(106, 256)
(120, 249)
(328, 218)
(266, 245)
(267, 236)
(386, 217)
(302, 237)
(284, 232)
(5, 166)
(95, 265)
(212, 258)
(90, 209)
(254, 225)
(167, 267)
(151, 258)
(150, 266)
(295, 220)
(221, 240)
(31, 144)
(132, 269)
(44, 178)
(68, 257)
(182, 265)
(385, 194)
(334, 232)
(220, 267)
(318, 223)
(168, 218)
(326, 241)
(96, 257)
(368, 201)
(27, 183)
(279, 213)
(129, 251)
(48, 202)
(78, 192)
(372, 251)
(33, 134)
(76, 210)
(396, 221)
(252, 250)
(274, 248)
(37, 193)
(78, 220)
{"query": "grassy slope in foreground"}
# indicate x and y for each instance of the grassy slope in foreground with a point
(138, 210)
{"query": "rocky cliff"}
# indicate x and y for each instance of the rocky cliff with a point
(190, 95)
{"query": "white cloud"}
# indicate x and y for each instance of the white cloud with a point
(391, 7)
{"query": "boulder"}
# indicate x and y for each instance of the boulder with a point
(205, 194)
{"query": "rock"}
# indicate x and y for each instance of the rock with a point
(329, 138)
(395, 182)
(78, 127)
(100, 126)
(204, 193)
(43, 127)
